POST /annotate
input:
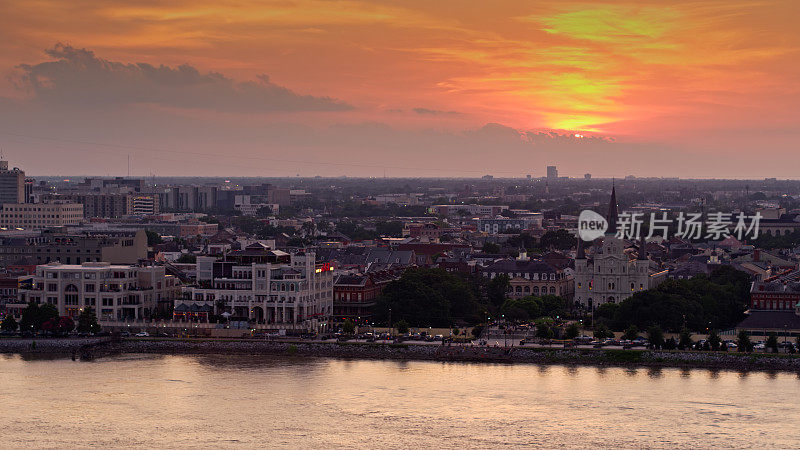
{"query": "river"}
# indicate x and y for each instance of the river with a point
(151, 401)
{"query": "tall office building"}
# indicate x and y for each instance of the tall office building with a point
(12, 184)
(552, 172)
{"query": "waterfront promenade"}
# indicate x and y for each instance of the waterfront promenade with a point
(89, 348)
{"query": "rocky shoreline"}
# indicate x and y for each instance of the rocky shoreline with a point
(93, 348)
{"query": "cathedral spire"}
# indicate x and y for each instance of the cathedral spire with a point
(580, 253)
(642, 248)
(613, 213)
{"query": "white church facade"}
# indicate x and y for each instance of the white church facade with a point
(611, 275)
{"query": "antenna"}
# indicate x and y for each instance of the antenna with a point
(129, 165)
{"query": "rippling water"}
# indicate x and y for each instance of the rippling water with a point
(242, 401)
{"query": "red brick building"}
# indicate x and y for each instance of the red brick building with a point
(354, 296)
(774, 296)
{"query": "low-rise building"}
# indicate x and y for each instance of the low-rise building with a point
(532, 277)
(516, 224)
(116, 292)
(468, 210)
(354, 295)
(42, 247)
(40, 215)
(774, 295)
(266, 286)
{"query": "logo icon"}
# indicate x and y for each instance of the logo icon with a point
(591, 225)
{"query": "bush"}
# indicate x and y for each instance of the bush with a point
(9, 324)
(744, 342)
(543, 330)
(402, 326)
(685, 339)
(713, 340)
(572, 331)
(631, 333)
(601, 332)
(772, 342)
(655, 336)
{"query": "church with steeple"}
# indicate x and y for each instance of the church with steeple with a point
(611, 274)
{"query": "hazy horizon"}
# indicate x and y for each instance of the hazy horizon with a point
(367, 89)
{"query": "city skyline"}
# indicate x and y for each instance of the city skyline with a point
(401, 89)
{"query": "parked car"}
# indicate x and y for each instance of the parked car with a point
(142, 334)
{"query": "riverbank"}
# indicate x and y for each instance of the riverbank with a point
(93, 348)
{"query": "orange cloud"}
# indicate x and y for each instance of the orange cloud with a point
(664, 71)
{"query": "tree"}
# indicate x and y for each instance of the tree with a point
(34, 316)
(685, 339)
(744, 342)
(264, 211)
(392, 228)
(553, 305)
(601, 331)
(58, 325)
(670, 344)
(523, 308)
(87, 321)
(543, 331)
(631, 333)
(655, 336)
(719, 299)
(515, 314)
(477, 330)
(572, 331)
(402, 326)
(153, 238)
(491, 248)
(772, 342)
(348, 327)
(30, 316)
(429, 297)
(9, 324)
(560, 239)
(456, 331)
(714, 340)
(544, 328)
(497, 289)
(187, 258)
(309, 228)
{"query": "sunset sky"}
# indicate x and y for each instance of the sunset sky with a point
(408, 88)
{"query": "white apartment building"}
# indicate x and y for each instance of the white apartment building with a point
(470, 210)
(115, 292)
(40, 215)
(270, 287)
(249, 205)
